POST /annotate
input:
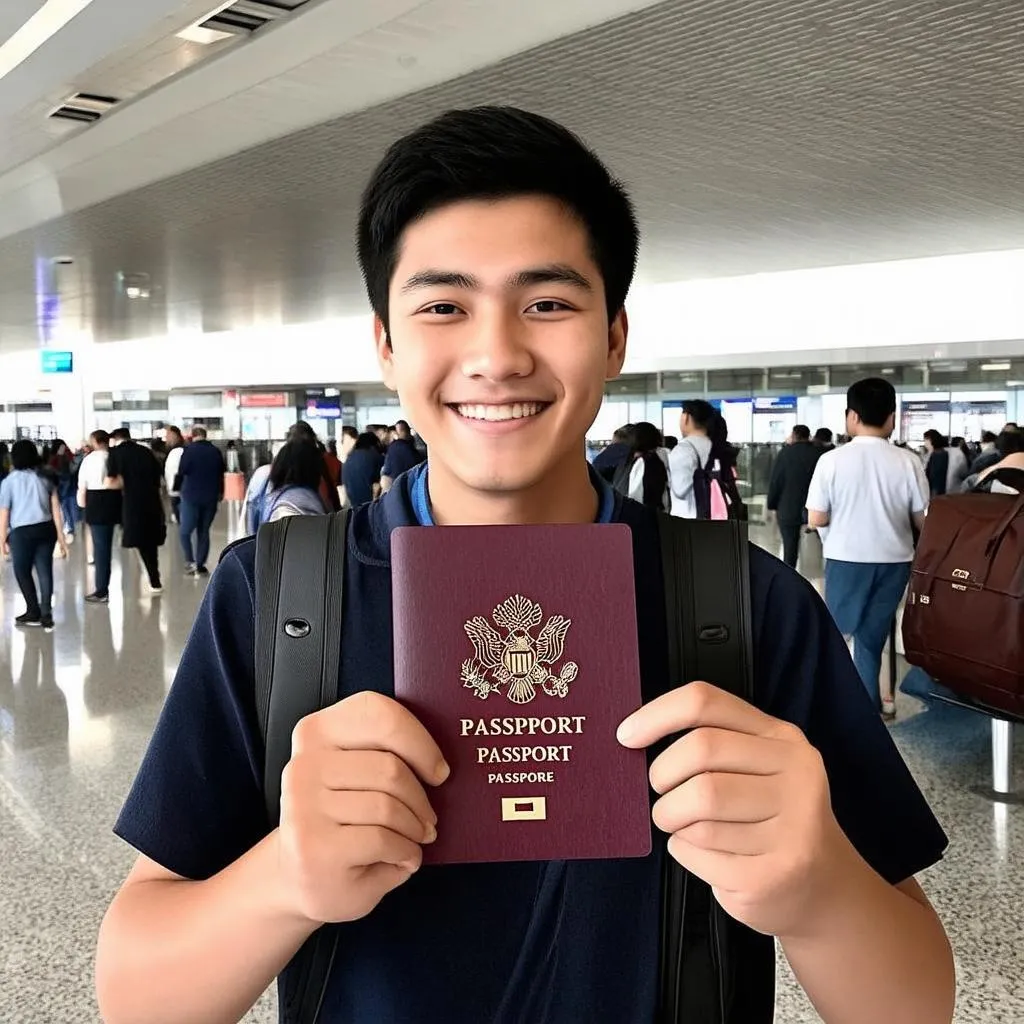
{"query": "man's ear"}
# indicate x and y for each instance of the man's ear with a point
(617, 333)
(385, 354)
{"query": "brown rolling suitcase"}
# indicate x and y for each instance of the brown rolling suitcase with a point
(964, 617)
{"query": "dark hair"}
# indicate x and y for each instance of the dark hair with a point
(402, 428)
(302, 431)
(350, 432)
(493, 153)
(121, 434)
(101, 437)
(702, 413)
(1009, 442)
(646, 438)
(624, 435)
(802, 433)
(25, 455)
(367, 440)
(671, 442)
(873, 400)
(199, 432)
(987, 437)
(938, 441)
(297, 464)
(824, 435)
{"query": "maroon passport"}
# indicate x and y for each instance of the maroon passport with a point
(516, 647)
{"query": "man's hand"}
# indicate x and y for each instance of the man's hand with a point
(354, 812)
(745, 800)
(62, 545)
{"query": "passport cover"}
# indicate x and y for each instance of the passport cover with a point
(516, 647)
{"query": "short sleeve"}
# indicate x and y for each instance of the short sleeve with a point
(388, 468)
(196, 804)
(809, 679)
(920, 492)
(682, 461)
(5, 493)
(818, 497)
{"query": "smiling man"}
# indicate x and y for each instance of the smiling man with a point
(498, 253)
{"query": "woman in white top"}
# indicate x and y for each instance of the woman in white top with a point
(102, 506)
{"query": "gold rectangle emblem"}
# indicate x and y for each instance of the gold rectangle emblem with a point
(526, 808)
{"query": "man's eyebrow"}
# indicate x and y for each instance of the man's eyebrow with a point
(554, 273)
(440, 278)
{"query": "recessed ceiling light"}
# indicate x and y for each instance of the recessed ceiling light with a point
(203, 36)
(43, 25)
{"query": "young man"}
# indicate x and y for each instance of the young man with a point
(870, 494)
(201, 473)
(402, 455)
(102, 506)
(787, 492)
(497, 253)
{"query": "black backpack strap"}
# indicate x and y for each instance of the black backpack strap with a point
(300, 578)
(712, 969)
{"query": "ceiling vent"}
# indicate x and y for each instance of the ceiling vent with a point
(247, 16)
(83, 107)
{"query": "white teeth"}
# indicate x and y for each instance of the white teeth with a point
(495, 413)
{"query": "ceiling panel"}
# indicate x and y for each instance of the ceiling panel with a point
(754, 136)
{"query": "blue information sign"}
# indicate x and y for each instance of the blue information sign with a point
(57, 362)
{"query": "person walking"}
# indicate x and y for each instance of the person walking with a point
(135, 471)
(102, 506)
(62, 465)
(31, 524)
(201, 476)
(787, 493)
(175, 442)
(869, 494)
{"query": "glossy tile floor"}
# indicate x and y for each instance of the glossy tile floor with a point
(76, 710)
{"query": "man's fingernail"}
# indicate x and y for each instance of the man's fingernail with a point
(442, 771)
(431, 834)
(625, 731)
(409, 865)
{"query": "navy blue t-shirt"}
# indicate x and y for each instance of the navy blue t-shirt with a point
(202, 473)
(360, 471)
(402, 456)
(552, 942)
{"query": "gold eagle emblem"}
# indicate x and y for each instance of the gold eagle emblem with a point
(514, 658)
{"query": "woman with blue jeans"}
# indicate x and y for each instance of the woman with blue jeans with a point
(30, 525)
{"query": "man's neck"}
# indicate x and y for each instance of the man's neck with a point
(878, 432)
(566, 495)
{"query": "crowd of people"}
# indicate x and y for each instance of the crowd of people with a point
(113, 482)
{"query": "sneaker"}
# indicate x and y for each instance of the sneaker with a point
(202, 571)
(888, 709)
(191, 569)
(28, 620)
(97, 599)
(91, 561)
(47, 623)
(69, 538)
(154, 591)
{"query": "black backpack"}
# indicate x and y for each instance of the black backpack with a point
(712, 970)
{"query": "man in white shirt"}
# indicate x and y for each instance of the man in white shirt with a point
(175, 441)
(870, 494)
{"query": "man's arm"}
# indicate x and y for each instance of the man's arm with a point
(5, 522)
(682, 462)
(746, 802)
(819, 505)
(775, 486)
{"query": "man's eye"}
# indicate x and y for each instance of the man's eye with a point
(548, 306)
(442, 309)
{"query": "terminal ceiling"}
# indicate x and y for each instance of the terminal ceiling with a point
(756, 135)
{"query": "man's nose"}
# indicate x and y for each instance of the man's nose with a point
(499, 349)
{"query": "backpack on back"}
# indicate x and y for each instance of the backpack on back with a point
(712, 970)
(964, 618)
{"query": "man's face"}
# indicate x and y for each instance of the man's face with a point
(500, 340)
(347, 444)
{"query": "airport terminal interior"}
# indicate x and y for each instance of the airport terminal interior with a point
(827, 191)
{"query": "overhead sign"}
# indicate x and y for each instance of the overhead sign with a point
(57, 362)
(263, 400)
(782, 403)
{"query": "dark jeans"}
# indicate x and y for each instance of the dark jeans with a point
(103, 552)
(176, 508)
(197, 518)
(69, 510)
(790, 542)
(150, 556)
(32, 548)
(863, 598)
